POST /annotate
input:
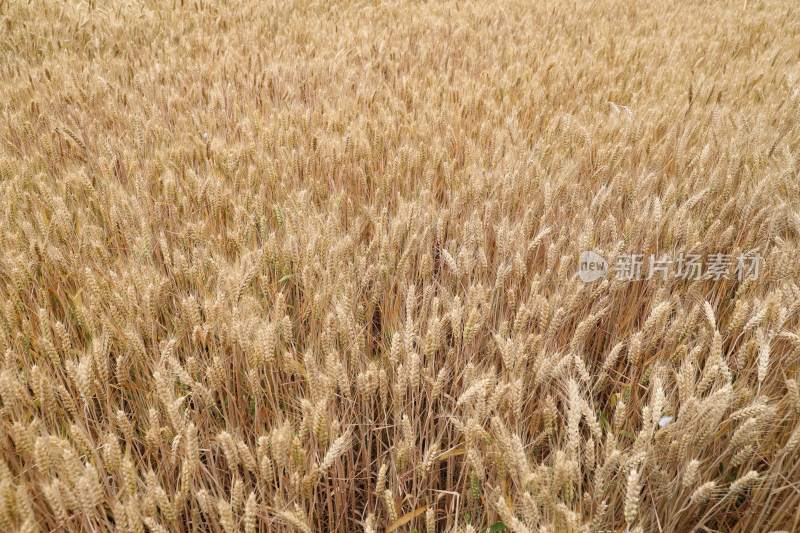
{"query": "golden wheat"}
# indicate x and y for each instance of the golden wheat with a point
(313, 266)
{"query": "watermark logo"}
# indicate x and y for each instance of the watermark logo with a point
(591, 266)
(690, 267)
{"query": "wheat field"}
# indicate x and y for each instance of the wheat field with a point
(314, 266)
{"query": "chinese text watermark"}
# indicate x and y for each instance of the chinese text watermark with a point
(690, 267)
